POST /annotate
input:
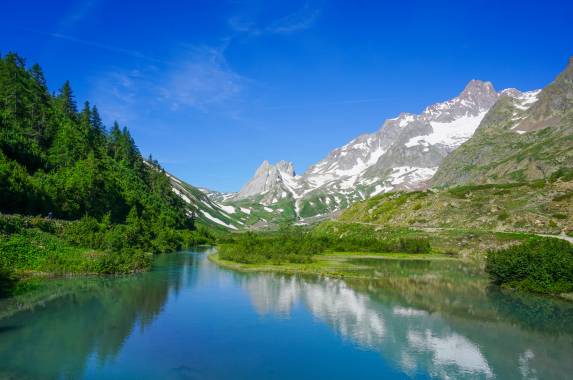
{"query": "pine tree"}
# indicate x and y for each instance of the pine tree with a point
(96, 121)
(86, 127)
(114, 139)
(98, 132)
(38, 75)
(66, 101)
(11, 81)
(19, 135)
(41, 107)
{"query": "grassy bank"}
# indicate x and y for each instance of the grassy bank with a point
(332, 264)
(341, 249)
(32, 246)
(468, 244)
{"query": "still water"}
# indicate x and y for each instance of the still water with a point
(189, 319)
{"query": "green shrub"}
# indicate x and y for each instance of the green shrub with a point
(295, 246)
(565, 174)
(287, 248)
(543, 265)
(37, 251)
(503, 215)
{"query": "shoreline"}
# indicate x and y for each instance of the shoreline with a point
(331, 264)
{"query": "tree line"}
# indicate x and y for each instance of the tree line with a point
(61, 161)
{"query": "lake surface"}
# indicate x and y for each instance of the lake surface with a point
(189, 319)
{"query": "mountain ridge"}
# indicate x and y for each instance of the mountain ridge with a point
(404, 153)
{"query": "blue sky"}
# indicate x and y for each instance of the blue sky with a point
(212, 88)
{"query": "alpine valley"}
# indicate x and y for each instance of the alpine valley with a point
(481, 136)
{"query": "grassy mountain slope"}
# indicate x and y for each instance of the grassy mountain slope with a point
(217, 211)
(515, 145)
(203, 209)
(538, 207)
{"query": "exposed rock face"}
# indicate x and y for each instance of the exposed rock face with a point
(269, 179)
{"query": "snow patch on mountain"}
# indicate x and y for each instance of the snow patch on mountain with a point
(410, 174)
(181, 195)
(451, 134)
(217, 220)
(227, 209)
(522, 101)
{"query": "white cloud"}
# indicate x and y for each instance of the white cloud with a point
(199, 78)
(297, 21)
(302, 19)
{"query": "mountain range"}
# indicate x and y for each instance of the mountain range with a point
(480, 136)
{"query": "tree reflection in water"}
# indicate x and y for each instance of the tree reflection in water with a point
(89, 318)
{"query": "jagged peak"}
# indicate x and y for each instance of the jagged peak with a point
(476, 87)
(263, 167)
(283, 166)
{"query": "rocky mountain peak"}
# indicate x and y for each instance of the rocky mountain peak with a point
(478, 95)
(285, 167)
(477, 88)
(476, 98)
(267, 178)
(263, 168)
(403, 154)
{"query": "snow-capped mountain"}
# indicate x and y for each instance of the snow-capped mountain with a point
(403, 154)
(406, 151)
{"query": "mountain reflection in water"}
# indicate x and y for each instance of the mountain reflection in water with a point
(488, 344)
(190, 319)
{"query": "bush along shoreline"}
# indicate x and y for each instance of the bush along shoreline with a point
(36, 245)
(540, 265)
(294, 245)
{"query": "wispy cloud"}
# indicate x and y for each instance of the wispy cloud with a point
(198, 79)
(203, 78)
(97, 45)
(302, 19)
(297, 21)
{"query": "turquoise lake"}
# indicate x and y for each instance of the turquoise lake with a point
(190, 319)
